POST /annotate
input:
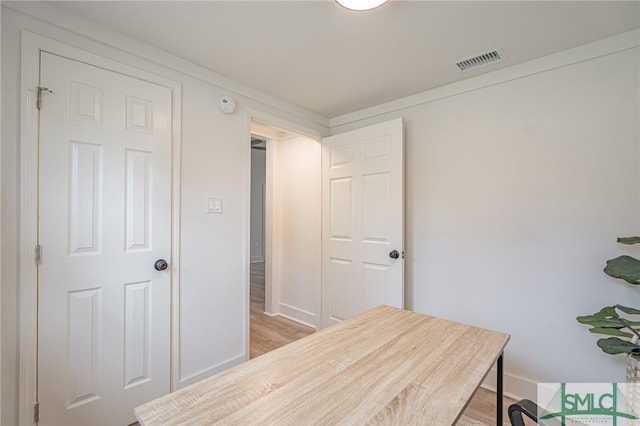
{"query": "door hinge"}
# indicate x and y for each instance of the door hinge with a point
(39, 98)
(36, 412)
(38, 254)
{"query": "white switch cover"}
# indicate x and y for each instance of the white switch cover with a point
(214, 205)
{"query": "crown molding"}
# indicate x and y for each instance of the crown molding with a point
(607, 46)
(65, 20)
(97, 33)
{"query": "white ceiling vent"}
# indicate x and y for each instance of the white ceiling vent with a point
(485, 58)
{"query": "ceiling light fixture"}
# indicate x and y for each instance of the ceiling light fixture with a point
(361, 4)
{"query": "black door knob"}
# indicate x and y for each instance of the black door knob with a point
(394, 254)
(160, 265)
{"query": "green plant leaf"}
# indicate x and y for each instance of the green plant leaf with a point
(624, 267)
(615, 345)
(594, 322)
(629, 240)
(606, 317)
(628, 310)
(610, 332)
(607, 312)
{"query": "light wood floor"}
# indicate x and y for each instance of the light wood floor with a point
(269, 333)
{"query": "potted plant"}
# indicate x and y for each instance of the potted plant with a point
(615, 321)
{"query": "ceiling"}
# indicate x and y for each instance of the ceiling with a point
(334, 61)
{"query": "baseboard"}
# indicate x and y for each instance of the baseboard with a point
(207, 372)
(256, 259)
(298, 315)
(515, 387)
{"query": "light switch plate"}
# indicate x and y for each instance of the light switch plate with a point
(214, 205)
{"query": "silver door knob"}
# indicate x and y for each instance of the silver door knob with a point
(394, 254)
(160, 265)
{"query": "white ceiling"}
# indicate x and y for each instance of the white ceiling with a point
(334, 61)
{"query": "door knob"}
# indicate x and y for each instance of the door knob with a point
(160, 265)
(394, 254)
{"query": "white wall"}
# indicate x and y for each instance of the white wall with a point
(515, 194)
(258, 170)
(9, 217)
(297, 233)
(215, 162)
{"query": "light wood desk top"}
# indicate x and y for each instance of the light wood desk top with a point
(386, 366)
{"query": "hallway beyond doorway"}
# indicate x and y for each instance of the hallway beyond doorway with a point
(269, 333)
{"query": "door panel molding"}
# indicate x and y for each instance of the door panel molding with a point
(31, 46)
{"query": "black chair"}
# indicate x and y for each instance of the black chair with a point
(532, 410)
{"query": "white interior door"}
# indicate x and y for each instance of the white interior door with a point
(105, 218)
(362, 221)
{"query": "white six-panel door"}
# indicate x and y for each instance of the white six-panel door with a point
(105, 218)
(362, 221)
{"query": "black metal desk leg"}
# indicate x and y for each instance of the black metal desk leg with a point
(499, 390)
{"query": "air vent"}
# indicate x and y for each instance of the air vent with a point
(485, 58)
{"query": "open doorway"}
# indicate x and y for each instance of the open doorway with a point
(285, 237)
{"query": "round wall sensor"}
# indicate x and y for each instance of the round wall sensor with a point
(227, 104)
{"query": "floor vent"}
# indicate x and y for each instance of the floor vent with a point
(486, 58)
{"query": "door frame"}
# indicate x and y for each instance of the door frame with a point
(31, 46)
(267, 119)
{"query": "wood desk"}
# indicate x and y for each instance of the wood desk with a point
(386, 366)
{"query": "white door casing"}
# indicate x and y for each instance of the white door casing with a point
(362, 220)
(105, 218)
